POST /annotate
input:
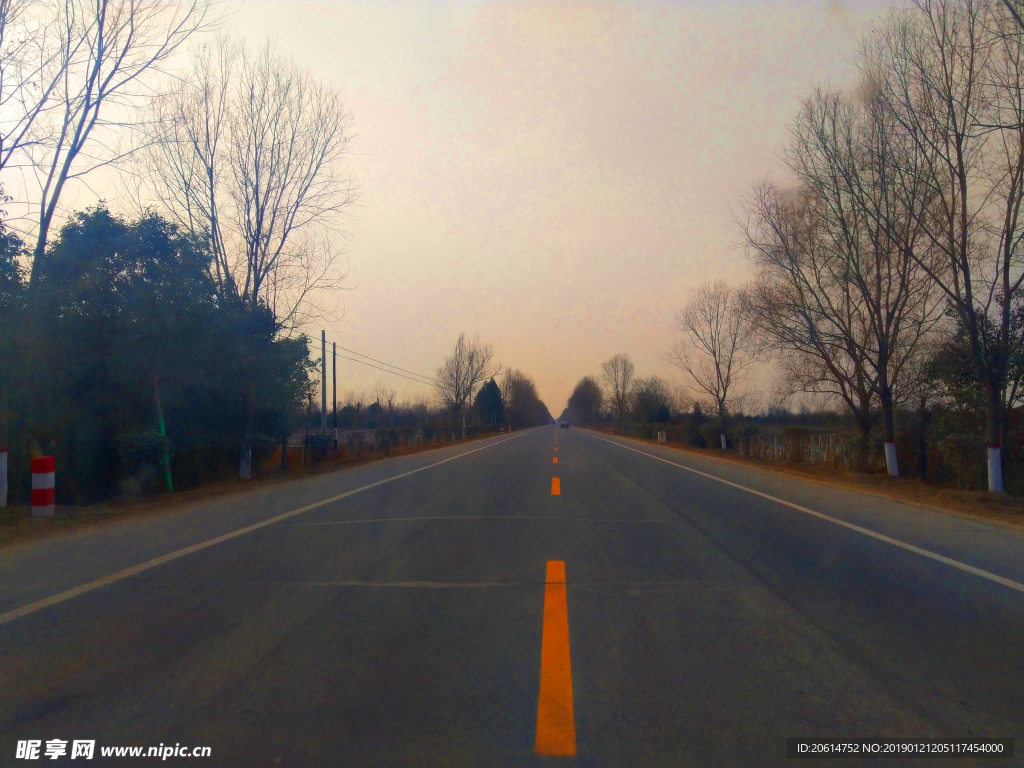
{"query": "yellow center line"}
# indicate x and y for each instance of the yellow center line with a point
(556, 725)
(556, 487)
(554, 459)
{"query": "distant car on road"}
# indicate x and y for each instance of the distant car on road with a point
(564, 424)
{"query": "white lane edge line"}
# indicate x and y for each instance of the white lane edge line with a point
(67, 594)
(880, 536)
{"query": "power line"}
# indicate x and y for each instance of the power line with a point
(429, 379)
(418, 381)
(410, 378)
(389, 365)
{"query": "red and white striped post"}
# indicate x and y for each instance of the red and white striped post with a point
(44, 499)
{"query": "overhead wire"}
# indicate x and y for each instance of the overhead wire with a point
(410, 378)
(413, 376)
(389, 365)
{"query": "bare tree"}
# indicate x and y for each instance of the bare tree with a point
(651, 398)
(105, 53)
(680, 399)
(186, 168)
(955, 88)
(716, 349)
(816, 327)
(356, 399)
(421, 406)
(520, 397)
(252, 157)
(1016, 10)
(617, 374)
(31, 64)
(385, 394)
(467, 366)
(586, 399)
(848, 156)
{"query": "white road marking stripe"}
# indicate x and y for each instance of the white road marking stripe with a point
(880, 536)
(482, 517)
(60, 597)
(694, 585)
(413, 584)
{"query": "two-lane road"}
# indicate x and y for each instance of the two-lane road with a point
(424, 617)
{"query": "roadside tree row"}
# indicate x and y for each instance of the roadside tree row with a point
(888, 264)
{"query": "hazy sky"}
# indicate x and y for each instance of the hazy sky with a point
(553, 176)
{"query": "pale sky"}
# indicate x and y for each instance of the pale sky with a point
(553, 176)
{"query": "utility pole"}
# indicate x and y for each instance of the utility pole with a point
(323, 383)
(334, 388)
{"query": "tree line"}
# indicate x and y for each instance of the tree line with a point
(469, 385)
(897, 250)
(887, 261)
(620, 395)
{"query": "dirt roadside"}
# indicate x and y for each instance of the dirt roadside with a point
(18, 526)
(999, 507)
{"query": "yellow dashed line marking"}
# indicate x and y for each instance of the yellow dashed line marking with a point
(556, 725)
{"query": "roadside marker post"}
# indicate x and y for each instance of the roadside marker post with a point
(44, 485)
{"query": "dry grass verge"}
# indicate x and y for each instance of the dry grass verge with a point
(979, 504)
(17, 524)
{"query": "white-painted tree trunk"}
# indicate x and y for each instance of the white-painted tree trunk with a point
(725, 444)
(890, 459)
(995, 469)
(245, 463)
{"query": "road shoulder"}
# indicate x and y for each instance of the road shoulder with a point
(997, 508)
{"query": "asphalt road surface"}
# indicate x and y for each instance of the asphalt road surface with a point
(462, 607)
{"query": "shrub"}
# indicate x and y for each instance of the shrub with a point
(142, 448)
(742, 435)
(961, 453)
(712, 434)
(261, 447)
(318, 446)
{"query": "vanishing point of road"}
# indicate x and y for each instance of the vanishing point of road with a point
(546, 597)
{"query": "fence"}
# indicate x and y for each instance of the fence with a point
(837, 449)
(305, 448)
(829, 448)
